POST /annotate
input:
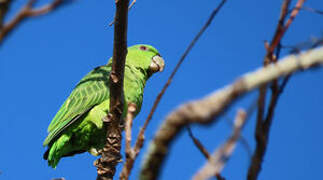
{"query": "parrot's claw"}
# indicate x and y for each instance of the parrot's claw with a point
(107, 119)
(94, 152)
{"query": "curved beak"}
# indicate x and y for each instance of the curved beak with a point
(157, 64)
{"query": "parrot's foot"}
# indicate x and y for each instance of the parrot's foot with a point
(94, 152)
(122, 125)
(107, 119)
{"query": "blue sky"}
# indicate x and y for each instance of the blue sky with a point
(43, 59)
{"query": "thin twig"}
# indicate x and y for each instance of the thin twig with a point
(130, 6)
(132, 3)
(219, 177)
(219, 158)
(310, 44)
(269, 58)
(110, 155)
(217, 162)
(313, 10)
(242, 140)
(250, 110)
(4, 7)
(207, 110)
(26, 12)
(263, 124)
(280, 30)
(294, 13)
(284, 83)
(129, 150)
(198, 144)
(140, 138)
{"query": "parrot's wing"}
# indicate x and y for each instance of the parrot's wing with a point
(90, 91)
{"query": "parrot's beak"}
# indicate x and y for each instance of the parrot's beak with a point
(157, 64)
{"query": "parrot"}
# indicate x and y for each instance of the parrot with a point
(78, 125)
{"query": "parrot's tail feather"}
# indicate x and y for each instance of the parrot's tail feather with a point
(45, 156)
(54, 155)
(57, 150)
(73, 153)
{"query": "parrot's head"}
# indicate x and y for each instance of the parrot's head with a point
(146, 58)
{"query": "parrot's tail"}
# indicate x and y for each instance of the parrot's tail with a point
(56, 150)
(60, 148)
(54, 155)
(45, 156)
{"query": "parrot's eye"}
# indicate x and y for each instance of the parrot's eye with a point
(143, 48)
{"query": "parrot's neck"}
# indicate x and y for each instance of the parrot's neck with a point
(134, 84)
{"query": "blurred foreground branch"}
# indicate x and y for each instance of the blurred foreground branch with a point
(24, 13)
(216, 162)
(4, 7)
(207, 110)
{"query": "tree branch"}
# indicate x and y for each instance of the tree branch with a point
(140, 138)
(217, 161)
(130, 6)
(28, 11)
(110, 156)
(320, 12)
(269, 58)
(130, 153)
(62, 178)
(263, 124)
(198, 144)
(206, 111)
(4, 7)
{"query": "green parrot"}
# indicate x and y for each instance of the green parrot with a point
(78, 127)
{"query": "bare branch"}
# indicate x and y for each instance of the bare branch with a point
(206, 110)
(130, 116)
(219, 177)
(45, 9)
(130, 6)
(130, 154)
(28, 11)
(219, 158)
(140, 138)
(309, 44)
(110, 156)
(313, 10)
(4, 7)
(262, 128)
(269, 58)
(250, 110)
(280, 31)
(132, 3)
(198, 144)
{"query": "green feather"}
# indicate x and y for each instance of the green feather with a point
(77, 127)
(90, 91)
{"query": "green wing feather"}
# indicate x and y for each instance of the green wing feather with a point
(90, 91)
